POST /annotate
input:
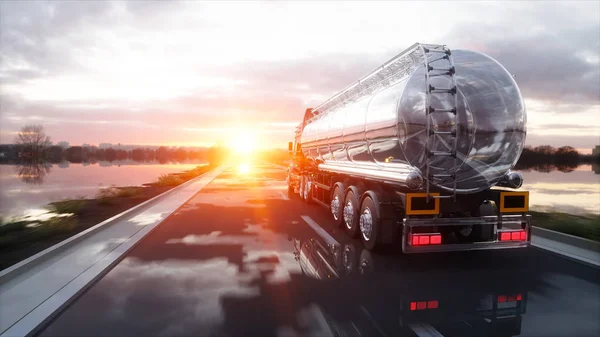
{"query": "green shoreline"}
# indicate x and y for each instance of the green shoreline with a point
(585, 226)
(24, 237)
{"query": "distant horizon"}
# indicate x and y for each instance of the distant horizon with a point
(582, 151)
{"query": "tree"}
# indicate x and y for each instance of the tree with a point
(32, 140)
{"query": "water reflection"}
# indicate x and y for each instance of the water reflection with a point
(33, 172)
(33, 184)
(494, 305)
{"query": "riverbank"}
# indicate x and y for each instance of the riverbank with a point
(24, 237)
(584, 226)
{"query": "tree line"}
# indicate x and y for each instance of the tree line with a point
(33, 145)
(80, 154)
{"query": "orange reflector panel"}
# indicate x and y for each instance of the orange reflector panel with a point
(421, 305)
(504, 236)
(501, 299)
(415, 240)
(413, 306)
(515, 236)
(436, 239)
(424, 240)
(432, 304)
(523, 235)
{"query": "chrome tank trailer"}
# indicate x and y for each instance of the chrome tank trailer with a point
(429, 119)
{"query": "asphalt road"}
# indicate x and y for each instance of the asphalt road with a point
(241, 259)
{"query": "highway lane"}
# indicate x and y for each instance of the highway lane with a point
(242, 259)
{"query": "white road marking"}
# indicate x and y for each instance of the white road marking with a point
(320, 231)
(425, 330)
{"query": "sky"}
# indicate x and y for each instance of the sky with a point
(195, 73)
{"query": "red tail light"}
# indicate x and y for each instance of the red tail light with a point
(426, 239)
(513, 236)
(511, 298)
(422, 305)
(436, 239)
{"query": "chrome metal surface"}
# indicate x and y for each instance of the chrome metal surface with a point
(348, 215)
(512, 180)
(383, 125)
(366, 224)
(335, 206)
(414, 180)
(306, 189)
(470, 221)
(506, 220)
(394, 173)
(465, 247)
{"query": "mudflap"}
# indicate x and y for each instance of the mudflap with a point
(390, 228)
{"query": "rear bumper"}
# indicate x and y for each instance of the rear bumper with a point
(499, 222)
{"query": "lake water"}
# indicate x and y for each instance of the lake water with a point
(27, 189)
(576, 192)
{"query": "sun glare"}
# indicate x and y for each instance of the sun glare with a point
(244, 143)
(244, 168)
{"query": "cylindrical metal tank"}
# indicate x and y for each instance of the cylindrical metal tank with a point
(385, 129)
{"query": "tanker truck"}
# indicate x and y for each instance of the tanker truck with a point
(419, 151)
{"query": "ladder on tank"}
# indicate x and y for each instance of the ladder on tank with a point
(440, 54)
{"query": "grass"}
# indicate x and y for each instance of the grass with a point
(585, 226)
(24, 231)
(175, 179)
(169, 180)
(68, 206)
(108, 196)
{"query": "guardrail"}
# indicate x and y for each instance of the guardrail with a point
(569, 246)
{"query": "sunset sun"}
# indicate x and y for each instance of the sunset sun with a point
(244, 142)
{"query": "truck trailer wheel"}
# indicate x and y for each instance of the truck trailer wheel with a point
(351, 212)
(369, 221)
(306, 190)
(337, 204)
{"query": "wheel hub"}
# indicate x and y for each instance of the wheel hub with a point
(335, 207)
(348, 215)
(366, 224)
(306, 189)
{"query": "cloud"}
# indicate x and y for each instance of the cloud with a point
(553, 53)
(206, 65)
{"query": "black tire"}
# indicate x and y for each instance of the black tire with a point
(338, 216)
(352, 228)
(371, 204)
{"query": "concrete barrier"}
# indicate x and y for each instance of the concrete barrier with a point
(569, 246)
